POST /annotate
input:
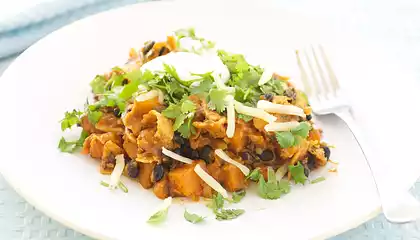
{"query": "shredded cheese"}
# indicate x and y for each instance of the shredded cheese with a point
(266, 76)
(150, 95)
(117, 172)
(254, 112)
(281, 172)
(230, 131)
(279, 108)
(176, 156)
(280, 126)
(244, 169)
(210, 181)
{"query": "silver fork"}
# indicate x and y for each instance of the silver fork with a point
(327, 98)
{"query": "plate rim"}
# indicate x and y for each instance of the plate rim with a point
(15, 183)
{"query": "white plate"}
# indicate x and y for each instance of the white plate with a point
(53, 75)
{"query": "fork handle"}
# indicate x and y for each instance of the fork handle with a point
(398, 205)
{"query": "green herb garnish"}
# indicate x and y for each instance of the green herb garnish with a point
(228, 214)
(291, 138)
(237, 196)
(183, 113)
(192, 218)
(70, 119)
(317, 180)
(298, 173)
(272, 189)
(72, 146)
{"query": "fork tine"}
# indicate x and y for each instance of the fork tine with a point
(317, 87)
(331, 74)
(320, 72)
(304, 75)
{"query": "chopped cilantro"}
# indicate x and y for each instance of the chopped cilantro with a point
(285, 139)
(158, 217)
(272, 189)
(237, 196)
(94, 116)
(298, 173)
(291, 138)
(217, 202)
(192, 218)
(254, 175)
(228, 214)
(98, 84)
(70, 119)
(317, 180)
(183, 113)
(128, 90)
(244, 117)
(217, 99)
(72, 146)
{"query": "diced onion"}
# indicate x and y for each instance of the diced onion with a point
(254, 112)
(210, 181)
(244, 169)
(176, 156)
(280, 126)
(230, 131)
(117, 172)
(279, 108)
(150, 95)
(266, 76)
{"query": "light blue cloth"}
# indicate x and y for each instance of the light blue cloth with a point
(20, 31)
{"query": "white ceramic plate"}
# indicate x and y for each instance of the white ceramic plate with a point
(53, 75)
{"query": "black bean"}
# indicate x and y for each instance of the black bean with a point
(178, 151)
(268, 97)
(306, 171)
(186, 151)
(148, 47)
(178, 139)
(327, 152)
(111, 158)
(79, 125)
(245, 156)
(124, 82)
(267, 155)
(127, 160)
(158, 173)
(309, 117)
(205, 154)
(133, 169)
(195, 154)
(162, 50)
(117, 112)
(311, 161)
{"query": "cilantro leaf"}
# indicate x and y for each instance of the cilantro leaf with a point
(171, 71)
(65, 146)
(186, 128)
(192, 218)
(228, 214)
(274, 87)
(217, 202)
(98, 84)
(285, 139)
(301, 130)
(172, 111)
(94, 116)
(203, 88)
(237, 196)
(217, 99)
(244, 117)
(254, 175)
(317, 180)
(272, 189)
(70, 119)
(158, 217)
(179, 121)
(187, 106)
(72, 146)
(298, 173)
(129, 89)
(116, 80)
